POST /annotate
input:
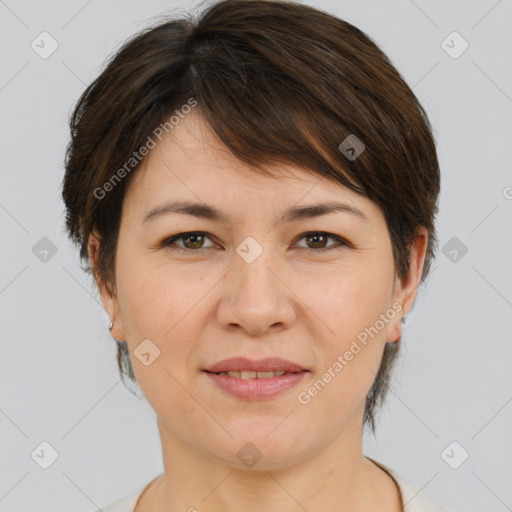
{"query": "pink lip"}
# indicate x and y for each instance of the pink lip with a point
(256, 389)
(269, 364)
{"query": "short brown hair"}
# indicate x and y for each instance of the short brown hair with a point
(278, 82)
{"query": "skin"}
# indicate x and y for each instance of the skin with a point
(294, 301)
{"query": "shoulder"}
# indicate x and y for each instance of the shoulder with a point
(413, 498)
(126, 504)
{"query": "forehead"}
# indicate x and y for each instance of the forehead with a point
(191, 163)
(192, 148)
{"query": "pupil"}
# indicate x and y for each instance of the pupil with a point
(316, 236)
(192, 237)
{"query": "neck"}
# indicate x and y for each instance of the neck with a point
(193, 480)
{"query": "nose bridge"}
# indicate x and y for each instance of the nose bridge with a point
(254, 297)
(255, 283)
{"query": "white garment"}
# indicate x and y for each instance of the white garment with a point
(413, 499)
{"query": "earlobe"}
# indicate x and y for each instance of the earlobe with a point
(405, 291)
(106, 294)
(416, 261)
(110, 328)
(394, 332)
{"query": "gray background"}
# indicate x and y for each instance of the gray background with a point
(58, 375)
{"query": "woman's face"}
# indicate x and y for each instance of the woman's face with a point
(255, 285)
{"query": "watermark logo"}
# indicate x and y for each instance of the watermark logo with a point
(454, 455)
(249, 454)
(454, 45)
(352, 147)
(44, 455)
(44, 250)
(146, 352)
(249, 249)
(454, 249)
(44, 45)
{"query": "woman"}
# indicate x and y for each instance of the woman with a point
(255, 191)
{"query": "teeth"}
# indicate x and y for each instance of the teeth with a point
(246, 374)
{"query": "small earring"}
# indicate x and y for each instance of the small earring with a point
(110, 326)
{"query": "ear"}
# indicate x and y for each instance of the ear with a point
(405, 290)
(107, 294)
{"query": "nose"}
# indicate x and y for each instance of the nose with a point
(255, 297)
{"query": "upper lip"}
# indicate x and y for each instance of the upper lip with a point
(269, 364)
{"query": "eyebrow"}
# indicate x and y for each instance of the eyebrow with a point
(208, 212)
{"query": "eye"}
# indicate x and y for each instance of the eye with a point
(194, 241)
(319, 238)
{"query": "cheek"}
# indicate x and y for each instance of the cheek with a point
(156, 299)
(165, 308)
(351, 300)
(350, 349)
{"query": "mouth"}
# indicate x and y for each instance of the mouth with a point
(248, 367)
(255, 380)
(248, 374)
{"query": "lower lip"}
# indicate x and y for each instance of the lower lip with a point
(256, 389)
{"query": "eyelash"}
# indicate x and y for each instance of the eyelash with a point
(170, 241)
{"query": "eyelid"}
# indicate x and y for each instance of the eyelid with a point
(180, 236)
(340, 240)
(168, 242)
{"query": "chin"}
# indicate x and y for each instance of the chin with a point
(263, 447)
